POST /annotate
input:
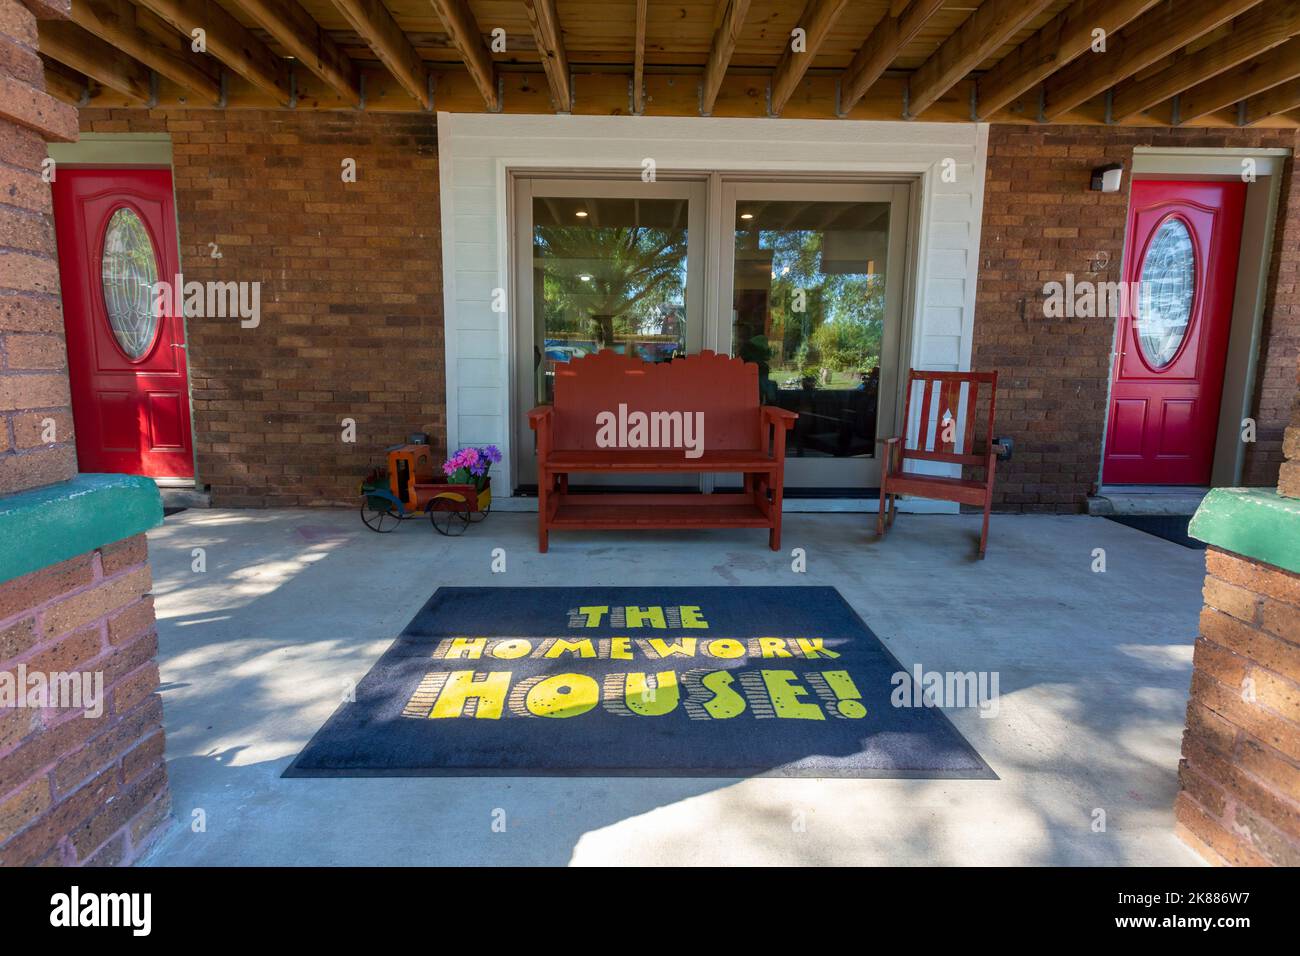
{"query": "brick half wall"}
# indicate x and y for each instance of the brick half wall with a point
(1040, 222)
(1240, 774)
(351, 293)
(80, 789)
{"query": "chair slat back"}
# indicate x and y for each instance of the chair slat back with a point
(946, 407)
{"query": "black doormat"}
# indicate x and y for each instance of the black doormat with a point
(695, 682)
(1170, 527)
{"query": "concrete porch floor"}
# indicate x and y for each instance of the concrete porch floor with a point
(1094, 669)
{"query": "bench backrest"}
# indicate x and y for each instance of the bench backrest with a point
(724, 389)
(933, 397)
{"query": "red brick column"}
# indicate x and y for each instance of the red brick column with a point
(33, 377)
(1288, 482)
(77, 789)
(1240, 772)
(84, 783)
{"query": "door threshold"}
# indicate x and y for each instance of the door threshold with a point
(1146, 500)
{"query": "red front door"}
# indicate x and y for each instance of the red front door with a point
(1172, 341)
(130, 397)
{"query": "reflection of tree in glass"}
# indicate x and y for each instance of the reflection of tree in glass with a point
(840, 326)
(608, 282)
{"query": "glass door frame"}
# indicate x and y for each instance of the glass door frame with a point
(527, 186)
(810, 473)
(711, 217)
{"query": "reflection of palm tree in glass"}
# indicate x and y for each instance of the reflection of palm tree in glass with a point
(609, 282)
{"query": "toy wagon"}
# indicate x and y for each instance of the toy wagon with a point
(410, 488)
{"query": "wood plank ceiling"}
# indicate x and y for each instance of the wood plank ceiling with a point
(1215, 63)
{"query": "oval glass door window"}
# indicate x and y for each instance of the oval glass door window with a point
(1165, 301)
(129, 271)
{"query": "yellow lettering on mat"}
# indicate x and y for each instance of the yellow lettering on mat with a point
(582, 648)
(785, 694)
(563, 695)
(638, 616)
(486, 692)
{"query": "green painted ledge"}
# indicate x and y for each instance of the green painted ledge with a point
(1255, 522)
(47, 525)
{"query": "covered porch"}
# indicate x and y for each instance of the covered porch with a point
(383, 187)
(256, 653)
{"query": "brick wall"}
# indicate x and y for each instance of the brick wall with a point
(77, 789)
(1240, 772)
(33, 363)
(351, 275)
(1040, 222)
(1288, 479)
(73, 789)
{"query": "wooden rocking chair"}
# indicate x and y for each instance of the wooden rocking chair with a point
(936, 438)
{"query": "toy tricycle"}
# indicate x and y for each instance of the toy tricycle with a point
(410, 488)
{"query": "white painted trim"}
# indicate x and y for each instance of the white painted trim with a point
(478, 151)
(447, 214)
(115, 149)
(1176, 161)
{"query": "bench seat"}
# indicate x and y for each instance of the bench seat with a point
(713, 398)
(658, 460)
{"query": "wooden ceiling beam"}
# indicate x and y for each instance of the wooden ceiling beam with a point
(731, 19)
(816, 21)
(389, 42)
(1274, 68)
(298, 32)
(229, 41)
(72, 46)
(550, 47)
(638, 58)
(882, 46)
(983, 32)
(63, 86)
(1272, 102)
(1253, 33)
(458, 20)
(1067, 36)
(1150, 38)
(117, 22)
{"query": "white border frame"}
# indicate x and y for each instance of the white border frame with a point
(477, 152)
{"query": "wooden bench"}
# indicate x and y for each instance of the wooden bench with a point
(739, 435)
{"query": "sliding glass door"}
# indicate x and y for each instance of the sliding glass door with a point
(607, 265)
(804, 279)
(816, 287)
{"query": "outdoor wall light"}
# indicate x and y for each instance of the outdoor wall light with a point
(581, 214)
(1107, 179)
(584, 277)
(746, 215)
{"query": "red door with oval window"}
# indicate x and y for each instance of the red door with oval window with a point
(116, 231)
(1172, 342)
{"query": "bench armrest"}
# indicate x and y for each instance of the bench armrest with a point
(775, 415)
(539, 420)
